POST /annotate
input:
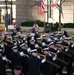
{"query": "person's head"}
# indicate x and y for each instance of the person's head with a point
(8, 39)
(35, 23)
(28, 34)
(51, 45)
(66, 39)
(6, 35)
(44, 37)
(17, 70)
(46, 51)
(37, 32)
(14, 48)
(34, 52)
(15, 30)
(23, 46)
(32, 42)
(38, 40)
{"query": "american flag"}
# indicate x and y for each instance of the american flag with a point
(41, 7)
(55, 3)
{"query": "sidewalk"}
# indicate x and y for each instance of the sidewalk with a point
(41, 29)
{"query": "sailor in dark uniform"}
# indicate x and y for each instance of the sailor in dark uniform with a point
(68, 59)
(32, 44)
(8, 45)
(24, 58)
(34, 63)
(28, 39)
(5, 36)
(14, 32)
(16, 61)
(36, 35)
(46, 66)
(40, 46)
(45, 39)
(3, 61)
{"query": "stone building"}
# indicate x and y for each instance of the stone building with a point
(26, 10)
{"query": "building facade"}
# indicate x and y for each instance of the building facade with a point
(26, 10)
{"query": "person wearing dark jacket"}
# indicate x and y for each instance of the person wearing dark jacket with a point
(3, 61)
(14, 32)
(16, 61)
(36, 35)
(24, 58)
(28, 39)
(34, 63)
(8, 45)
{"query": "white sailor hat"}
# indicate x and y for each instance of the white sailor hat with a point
(32, 34)
(28, 33)
(45, 49)
(14, 47)
(51, 34)
(32, 40)
(34, 50)
(60, 32)
(59, 42)
(52, 43)
(9, 37)
(57, 34)
(67, 38)
(23, 44)
(44, 35)
(38, 38)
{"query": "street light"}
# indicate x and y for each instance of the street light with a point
(11, 12)
(48, 9)
(6, 6)
(50, 23)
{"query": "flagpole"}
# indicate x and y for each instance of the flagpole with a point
(60, 6)
(44, 20)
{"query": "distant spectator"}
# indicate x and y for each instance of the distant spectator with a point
(53, 28)
(66, 34)
(35, 27)
(57, 26)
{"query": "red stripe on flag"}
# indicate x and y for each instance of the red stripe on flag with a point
(55, 3)
(40, 11)
(41, 7)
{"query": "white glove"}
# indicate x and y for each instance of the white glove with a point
(43, 60)
(15, 43)
(58, 51)
(49, 54)
(24, 38)
(49, 39)
(54, 58)
(36, 46)
(26, 41)
(4, 58)
(1, 46)
(43, 44)
(38, 57)
(55, 48)
(29, 49)
(72, 45)
(66, 50)
(22, 54)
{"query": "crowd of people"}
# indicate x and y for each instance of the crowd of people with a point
(31, 55)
